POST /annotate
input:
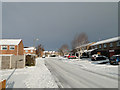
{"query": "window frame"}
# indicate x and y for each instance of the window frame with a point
(100, 46)
(3, 46)
(105, 45)
(26, 51)
(31, 51)
(11, 46)
(118, 43)
(96, 46)
(111, 44)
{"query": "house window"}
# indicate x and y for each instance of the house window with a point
(99, 46)
(111, 44)
(4, 47)
(12, 47)
(31, 51)
(105, 45)
(26, 50)
(118, 43)
(96, 46)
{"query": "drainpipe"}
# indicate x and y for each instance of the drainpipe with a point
(17, 49)
(10, 62)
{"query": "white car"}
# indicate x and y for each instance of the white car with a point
(43, 56)
(98, 57)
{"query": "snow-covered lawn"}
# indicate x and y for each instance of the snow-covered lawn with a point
(106, 69)
(29, 77)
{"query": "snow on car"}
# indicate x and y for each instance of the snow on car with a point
(96, 57)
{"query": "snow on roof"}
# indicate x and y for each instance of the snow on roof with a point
(89, 50)
(30, 48)
(84, 45)
(107, 41)
(10, 41)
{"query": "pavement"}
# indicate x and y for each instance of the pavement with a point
(29, 77)
(71, 74)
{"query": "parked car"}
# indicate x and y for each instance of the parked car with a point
(72, 57)
(65, 56)
(84, 57)
(43, 56)
(115, 59)
(96, 57)
(52, 55)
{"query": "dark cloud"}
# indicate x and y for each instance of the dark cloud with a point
(57, 23)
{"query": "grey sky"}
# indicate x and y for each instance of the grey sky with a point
(57, 23)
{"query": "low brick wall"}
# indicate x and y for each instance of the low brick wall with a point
(13, 61)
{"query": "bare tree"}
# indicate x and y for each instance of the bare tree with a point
(64, 49)
(79, 40)
(39, 50)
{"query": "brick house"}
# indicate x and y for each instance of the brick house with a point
(11, 54)
(29, 50)
(107, 47)
(83, 50)
(11, 46)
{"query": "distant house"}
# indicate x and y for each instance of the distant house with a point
(11, 46)
(29, 50)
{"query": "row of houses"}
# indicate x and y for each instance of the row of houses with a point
(50, 53)
(13, 53)
(108, 47)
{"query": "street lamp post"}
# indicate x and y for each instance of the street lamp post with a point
(36, 39)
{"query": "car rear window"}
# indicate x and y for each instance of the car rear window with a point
(118, 57)
(113, 57)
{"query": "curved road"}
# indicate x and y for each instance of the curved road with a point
(74, 76)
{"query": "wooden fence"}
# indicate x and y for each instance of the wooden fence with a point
(3, 85)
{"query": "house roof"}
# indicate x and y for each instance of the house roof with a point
(107, 41)
(84, 45)
(30, 48)
(10, 41)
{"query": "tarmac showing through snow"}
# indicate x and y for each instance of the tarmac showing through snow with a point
(78, 73)
(106, 69)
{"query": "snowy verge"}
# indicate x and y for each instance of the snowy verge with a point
(40, 76)
(29, 77)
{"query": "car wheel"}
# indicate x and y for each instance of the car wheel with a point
(111, 63)
(92, 59)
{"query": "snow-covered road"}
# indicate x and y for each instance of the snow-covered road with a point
(106, 69)
(31, 77)
(82, 74)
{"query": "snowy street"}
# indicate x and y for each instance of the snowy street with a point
(31, 77)
(82, 73)
(61, 72)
